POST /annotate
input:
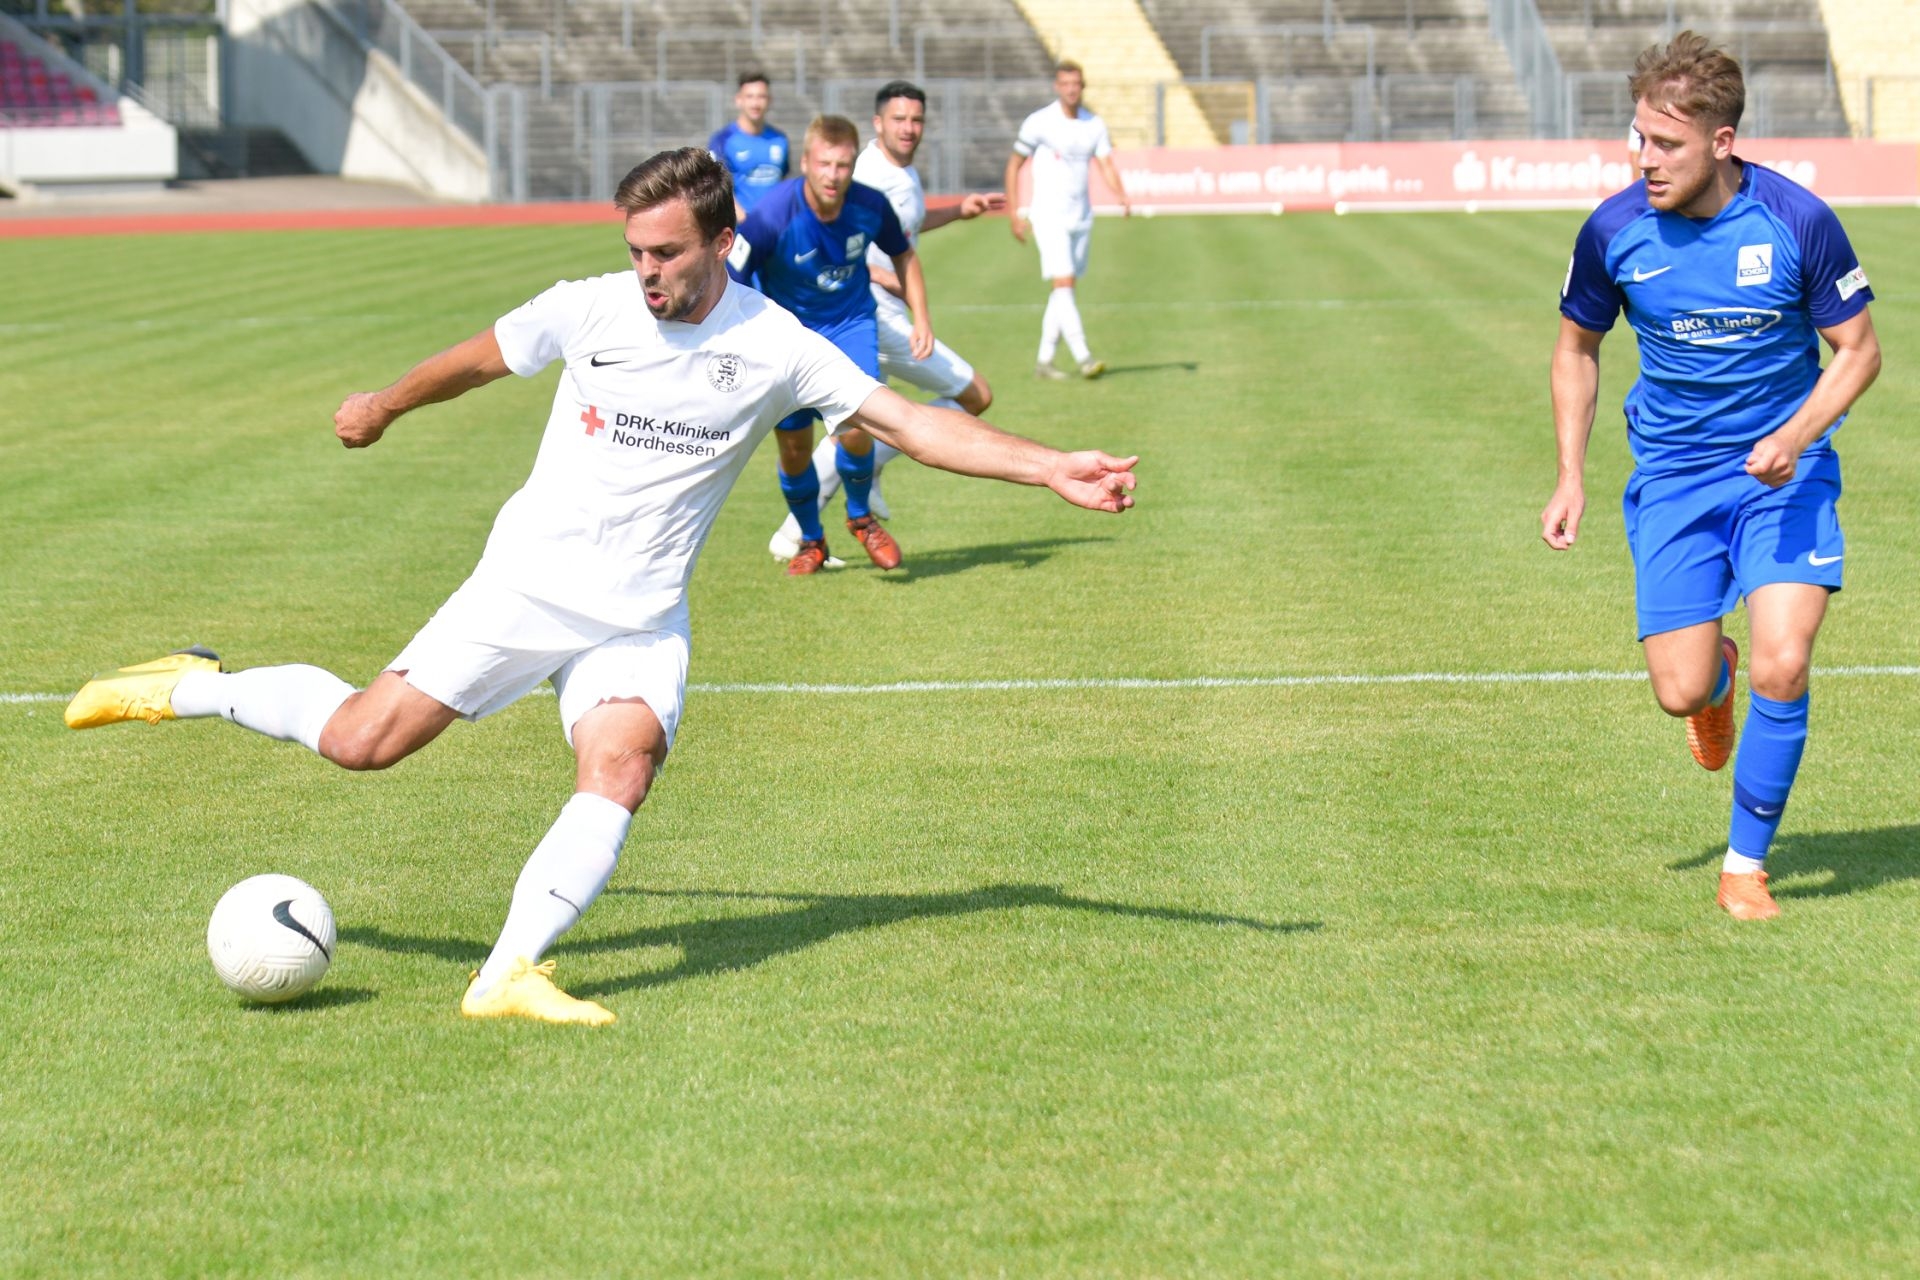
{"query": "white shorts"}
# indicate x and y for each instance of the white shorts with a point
(488, 646)
(1063, 248)
(944, 373)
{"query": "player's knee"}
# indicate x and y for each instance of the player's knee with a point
(1681, 698)
(361, 746)
(1780, 674)
(978, 397)
(623, 775)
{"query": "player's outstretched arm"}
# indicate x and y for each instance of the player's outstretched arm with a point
(1111, 173)
(1855, 364)
(1012, 185)
(913, 284)
(959, 442)
(971, 205)
(364, 416)
(1576, 391)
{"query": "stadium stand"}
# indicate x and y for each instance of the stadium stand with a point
(1781, 44)
(1347, 70)
(32, 94)
(61, 129)
(1875, 49)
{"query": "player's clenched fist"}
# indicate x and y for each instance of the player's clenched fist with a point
(1772, 461)
(1560, 522)
(361, 420)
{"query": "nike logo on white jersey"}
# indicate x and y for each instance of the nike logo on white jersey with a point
(802, 257)
(1640, 276)
(1819, 560)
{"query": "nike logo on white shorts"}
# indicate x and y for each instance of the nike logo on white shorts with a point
(1815, 560)
(1640, 276)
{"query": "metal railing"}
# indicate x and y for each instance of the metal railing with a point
(617, 124)
(1327, 33)
(484, 40)
(1517, 25)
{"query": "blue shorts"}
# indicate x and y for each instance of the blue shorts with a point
(860, 341)
(1703, 539)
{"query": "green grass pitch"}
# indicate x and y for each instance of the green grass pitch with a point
(1096, 980)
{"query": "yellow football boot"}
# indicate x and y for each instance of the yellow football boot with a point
(528, 992)
(144, 692)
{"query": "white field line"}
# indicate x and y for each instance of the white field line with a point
(1173, 684)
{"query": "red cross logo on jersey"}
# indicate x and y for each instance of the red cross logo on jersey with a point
(593, 419)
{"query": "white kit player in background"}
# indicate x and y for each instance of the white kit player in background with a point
(886, 165)
(673, 375)
(1063, 140)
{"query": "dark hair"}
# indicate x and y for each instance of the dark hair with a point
(1689, 74)
(898, 89)
(690, 174)
(754, 77)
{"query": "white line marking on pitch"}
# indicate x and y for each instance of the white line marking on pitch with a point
(1177, 683)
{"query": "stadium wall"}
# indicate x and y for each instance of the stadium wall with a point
(349, 109)
(1470, 175)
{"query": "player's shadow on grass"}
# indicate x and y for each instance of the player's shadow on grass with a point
(1827, 864)
(731, 942)
(1121, 370)
(922, 565)
(324, 998)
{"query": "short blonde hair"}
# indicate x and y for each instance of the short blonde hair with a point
(1691, 76)
(1068, 66)
(835, 131)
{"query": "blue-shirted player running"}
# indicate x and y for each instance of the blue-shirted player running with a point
(1730, 276)
(753, 151)
(805, 246)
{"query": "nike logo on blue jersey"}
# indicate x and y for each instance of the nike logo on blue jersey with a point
(802, 257)
(1819, 560)
(1640, 276)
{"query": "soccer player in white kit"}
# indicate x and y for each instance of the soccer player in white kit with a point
(1063, 139)
(886, 165)
(673, 375)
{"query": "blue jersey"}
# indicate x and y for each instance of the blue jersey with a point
(1726, 310)
(815, 269)
(757, 161)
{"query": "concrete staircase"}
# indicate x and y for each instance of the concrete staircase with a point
(1132, 81)
(1875, 47)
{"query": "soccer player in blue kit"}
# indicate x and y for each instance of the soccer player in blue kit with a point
(756, 154)
(1730, 275)
(805, 246)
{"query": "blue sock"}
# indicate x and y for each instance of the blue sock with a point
(1770, 745)
(1725, 682)
(856, 478)
(802, 493)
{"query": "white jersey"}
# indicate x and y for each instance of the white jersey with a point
(1062, 148)
(903, 191)
(651, 424)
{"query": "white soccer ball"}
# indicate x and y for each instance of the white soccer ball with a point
(271, 938)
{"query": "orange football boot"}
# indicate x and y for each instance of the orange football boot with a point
(1745, 897)
(880, 545)
(810, 558)
(1710, 730)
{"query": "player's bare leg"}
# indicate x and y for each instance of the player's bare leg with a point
(383, 724)
(619, 747)
(1692, 673)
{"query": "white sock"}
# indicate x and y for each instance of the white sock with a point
(1070, 325)
(567, 871)
(826, 469)
(291, 703)
(1050, 327)
(1739, 864)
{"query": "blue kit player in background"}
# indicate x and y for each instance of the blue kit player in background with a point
(753, 151)
(1731, 276)
(805, 247)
